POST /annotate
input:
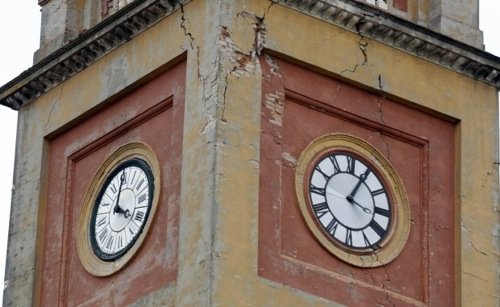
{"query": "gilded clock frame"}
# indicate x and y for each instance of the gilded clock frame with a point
(89, 260)
(393, 243)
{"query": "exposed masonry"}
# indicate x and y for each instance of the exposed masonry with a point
(402, 34)
(356, 16)
(242, 62)
(59, 66)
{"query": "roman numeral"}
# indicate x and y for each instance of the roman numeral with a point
(321, 209)
(139, 184)
(336, 166)
(377, 228)
(133, 228)
(110, 242)
(378, 192)
(367, 241)
(320, 191)
(317, 168)
(131, 232)
(103, 234)
(119, 243)
(113, 188)
(102, 221)
(351, 164)
(142, 198)
(132, 176)
(139, 216)
(382, 211)
(348, 237)
(332, 226)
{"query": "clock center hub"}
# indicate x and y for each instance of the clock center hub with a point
(118, 220)
(343, 207)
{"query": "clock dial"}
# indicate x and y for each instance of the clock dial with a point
(349, 201)
(121, 209)
(352, 200)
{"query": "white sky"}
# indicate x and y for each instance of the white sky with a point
(19, 38)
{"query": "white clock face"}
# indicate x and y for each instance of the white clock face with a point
(121, 209)
(349, 201)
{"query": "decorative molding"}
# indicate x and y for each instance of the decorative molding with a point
(402, 34)
(352, 15)
(109, 34)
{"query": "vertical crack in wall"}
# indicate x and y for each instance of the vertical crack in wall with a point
(363, 47)
(380, 102)
(190, 36)
(230, 61)
(242, 62)
(53, 107)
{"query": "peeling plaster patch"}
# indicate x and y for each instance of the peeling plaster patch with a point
(241, 62)
(275, 103)
(288, 157)
(275, 70)
(209, 130)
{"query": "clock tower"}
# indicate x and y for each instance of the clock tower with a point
(262, 153)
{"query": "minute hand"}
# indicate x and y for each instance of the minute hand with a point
(362, 179)
(366, 210)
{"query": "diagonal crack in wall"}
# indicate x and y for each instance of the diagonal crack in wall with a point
(363, 47)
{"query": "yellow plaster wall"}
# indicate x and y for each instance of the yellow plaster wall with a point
(220, 162)
(403, 77)
(64, 105)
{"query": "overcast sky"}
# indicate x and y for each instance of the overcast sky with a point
(19, 38)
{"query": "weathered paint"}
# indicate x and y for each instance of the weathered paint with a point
(219, 194)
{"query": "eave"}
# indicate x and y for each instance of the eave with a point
(352, 15)
(399, 33)
(87, 48)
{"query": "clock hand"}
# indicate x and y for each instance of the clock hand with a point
(118, 209)
(366, 210)
(334, 193)
(352, 201)
(362, 179)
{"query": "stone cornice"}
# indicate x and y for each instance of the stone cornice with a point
(349, 14)
(404, 35)
(85, 49)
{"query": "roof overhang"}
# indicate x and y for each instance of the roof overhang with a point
(352, 15)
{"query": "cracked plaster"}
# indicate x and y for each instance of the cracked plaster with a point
(234, 62)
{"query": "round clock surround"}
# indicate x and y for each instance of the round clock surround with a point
(118, 209)
(352, 200)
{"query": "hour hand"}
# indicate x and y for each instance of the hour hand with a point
(362, 179)
(119, 209)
